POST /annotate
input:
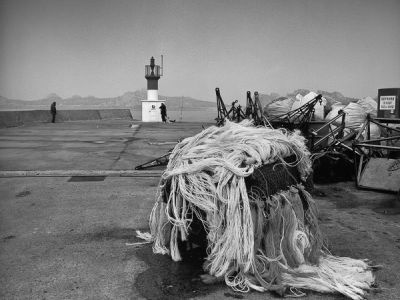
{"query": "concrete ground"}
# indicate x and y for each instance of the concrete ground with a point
(69, 237)
(88, 145)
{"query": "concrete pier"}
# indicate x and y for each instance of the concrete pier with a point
(68, 234)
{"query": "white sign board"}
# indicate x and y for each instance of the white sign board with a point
(387, 102)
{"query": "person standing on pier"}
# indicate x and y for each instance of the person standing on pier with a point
(163, 109)
(53, 111)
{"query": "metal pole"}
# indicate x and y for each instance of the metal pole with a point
(378, 146)
(181, 107)
(162, 65)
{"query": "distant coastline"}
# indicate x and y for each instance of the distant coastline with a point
(132, 100)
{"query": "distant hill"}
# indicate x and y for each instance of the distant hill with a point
(127, 100)
(132, 99)
(187, 102)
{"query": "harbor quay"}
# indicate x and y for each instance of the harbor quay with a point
(71, 203)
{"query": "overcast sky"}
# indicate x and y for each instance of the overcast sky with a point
(100, 47)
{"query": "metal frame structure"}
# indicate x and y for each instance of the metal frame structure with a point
(160, 161)
(335, 136)
(235, 114)
(384, 147)
(223, 113)
(221, 109)
(298, 118)
(253, 110)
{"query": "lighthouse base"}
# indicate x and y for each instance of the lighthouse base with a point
(151, 110)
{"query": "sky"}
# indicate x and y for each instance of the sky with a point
(100, 47)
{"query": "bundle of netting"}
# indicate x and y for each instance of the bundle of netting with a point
(244, 185)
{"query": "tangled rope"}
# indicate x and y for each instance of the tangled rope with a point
(255, 239)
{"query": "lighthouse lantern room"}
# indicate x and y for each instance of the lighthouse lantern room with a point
(150, 106)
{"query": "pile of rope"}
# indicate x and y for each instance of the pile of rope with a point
(258, 237)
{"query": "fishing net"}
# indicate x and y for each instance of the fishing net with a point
(240, 189)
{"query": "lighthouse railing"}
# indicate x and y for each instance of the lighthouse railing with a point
(156, 71)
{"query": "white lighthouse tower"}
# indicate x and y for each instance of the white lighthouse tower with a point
(151, 106)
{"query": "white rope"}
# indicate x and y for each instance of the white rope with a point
(206, 178)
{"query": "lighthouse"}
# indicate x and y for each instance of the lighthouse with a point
(151, 106)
